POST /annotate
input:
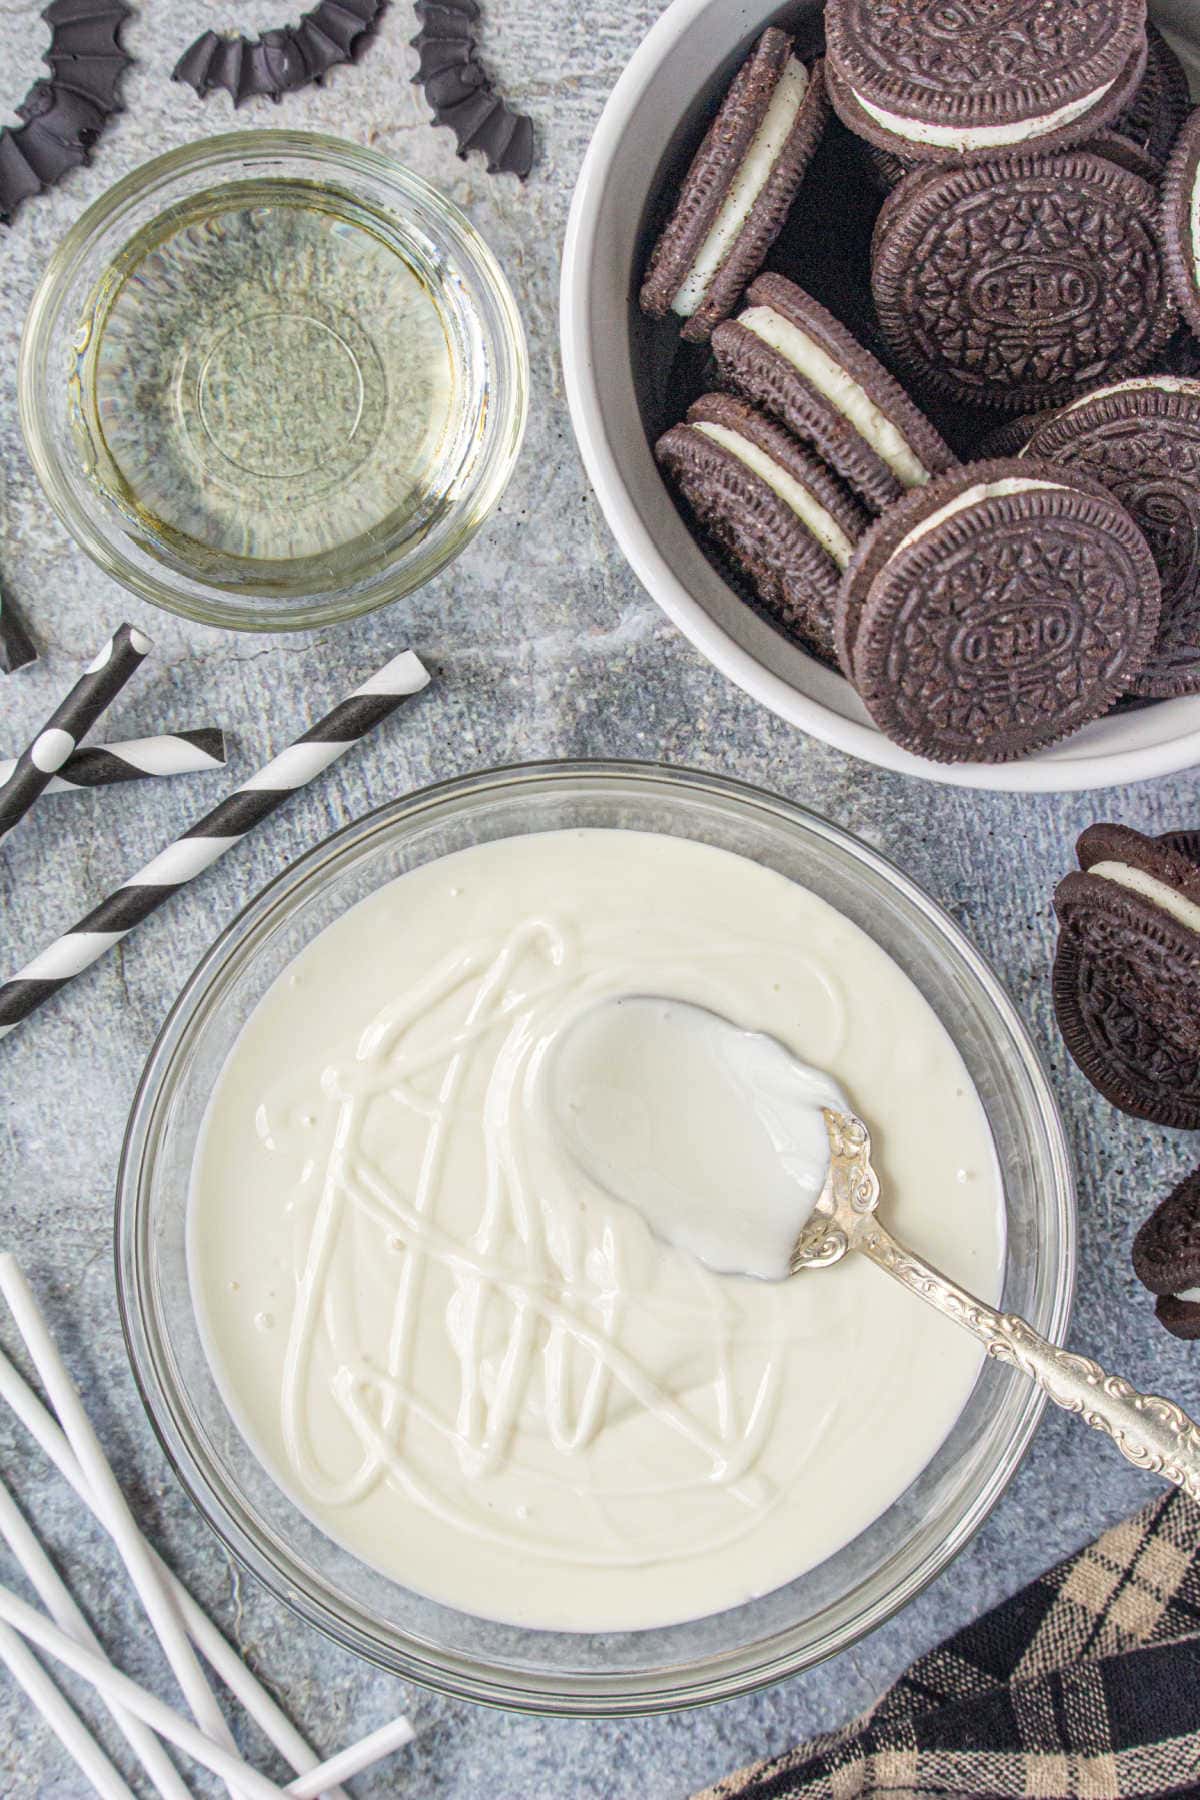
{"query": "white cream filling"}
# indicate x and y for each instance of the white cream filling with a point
(1194, 229)
(985, 490)
(840, 388)
(1185, 911)
(980, 137)
(1191, 1295)
(1159, 384)
(823, 526)
(748, 183)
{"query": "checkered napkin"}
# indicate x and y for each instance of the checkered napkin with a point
(1085, 1684)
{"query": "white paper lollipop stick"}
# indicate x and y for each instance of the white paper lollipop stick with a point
(353, 1760)
(180, 1731)
(40, 1630)
(51, 1590)
(66, 1725)
(271, 1720)
(111, 1506)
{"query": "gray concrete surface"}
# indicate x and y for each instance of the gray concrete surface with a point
(546, 647)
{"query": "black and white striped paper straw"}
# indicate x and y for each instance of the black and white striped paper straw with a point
(102, 765)
(96, 688)
(16, 645)
(210, 838)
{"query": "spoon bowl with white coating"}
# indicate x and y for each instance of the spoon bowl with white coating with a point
(813, 1197)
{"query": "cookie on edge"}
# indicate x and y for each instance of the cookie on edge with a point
(1154, 117)
(1131, 1062)
(770, 505)
(990, 290)
(1141, 438)
(736, 194)
(1134, 912)
(935, 82)
(996, 611)
(1180, 197)
(785, 353)
(1166, 1258)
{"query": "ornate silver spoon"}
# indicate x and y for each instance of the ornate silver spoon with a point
(1153, 1433)
(642, 1049)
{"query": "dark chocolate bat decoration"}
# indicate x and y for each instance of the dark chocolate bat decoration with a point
(460, 91)
(65, 112)
(284, 59)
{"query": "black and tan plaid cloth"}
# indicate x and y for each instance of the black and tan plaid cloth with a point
(1087, 1683)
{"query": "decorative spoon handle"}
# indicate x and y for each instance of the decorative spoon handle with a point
(1153, 1433)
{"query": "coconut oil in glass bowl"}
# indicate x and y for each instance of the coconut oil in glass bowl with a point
(295, 380)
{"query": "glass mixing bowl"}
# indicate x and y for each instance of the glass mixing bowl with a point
(558, 1672)
(179, 515)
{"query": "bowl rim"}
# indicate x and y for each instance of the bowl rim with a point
(1055, 771)
(506, 415)
(451, 1671)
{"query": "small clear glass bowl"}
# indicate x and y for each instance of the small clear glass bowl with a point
(558, 1672)
(392, 554)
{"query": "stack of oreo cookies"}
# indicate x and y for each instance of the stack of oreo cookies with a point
(982, 502)
(1127, 1000)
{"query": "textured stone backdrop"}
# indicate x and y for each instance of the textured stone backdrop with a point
(545, 647)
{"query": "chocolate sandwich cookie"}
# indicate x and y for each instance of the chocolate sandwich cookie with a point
(777, 511)
(887, 171)
(1134, 912)
(1134, 1064)
(1180, 209)
(736, 194)
(933, 81)
(1155, 115)
(1141, 438)
(1126, 154)
(1166, 1258)
(1010, 438)
(1023, 283)
(789, 356)
(996, 610)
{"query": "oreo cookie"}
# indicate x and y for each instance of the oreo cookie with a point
(791, 357)
(1180, 192)
(1115, 148)
(737, 192)
(1154, 117)
(1010, 438)
(935, 82)
(996, 610)
(1023, 283)
(1134, 912)
(1166, 1258)
(1134, 1064)
(770, 505)
(1141, 438)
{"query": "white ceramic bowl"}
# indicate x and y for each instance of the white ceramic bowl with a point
(680, 67)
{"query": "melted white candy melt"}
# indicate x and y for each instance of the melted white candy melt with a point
(469, 1366)
(714, 1134)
